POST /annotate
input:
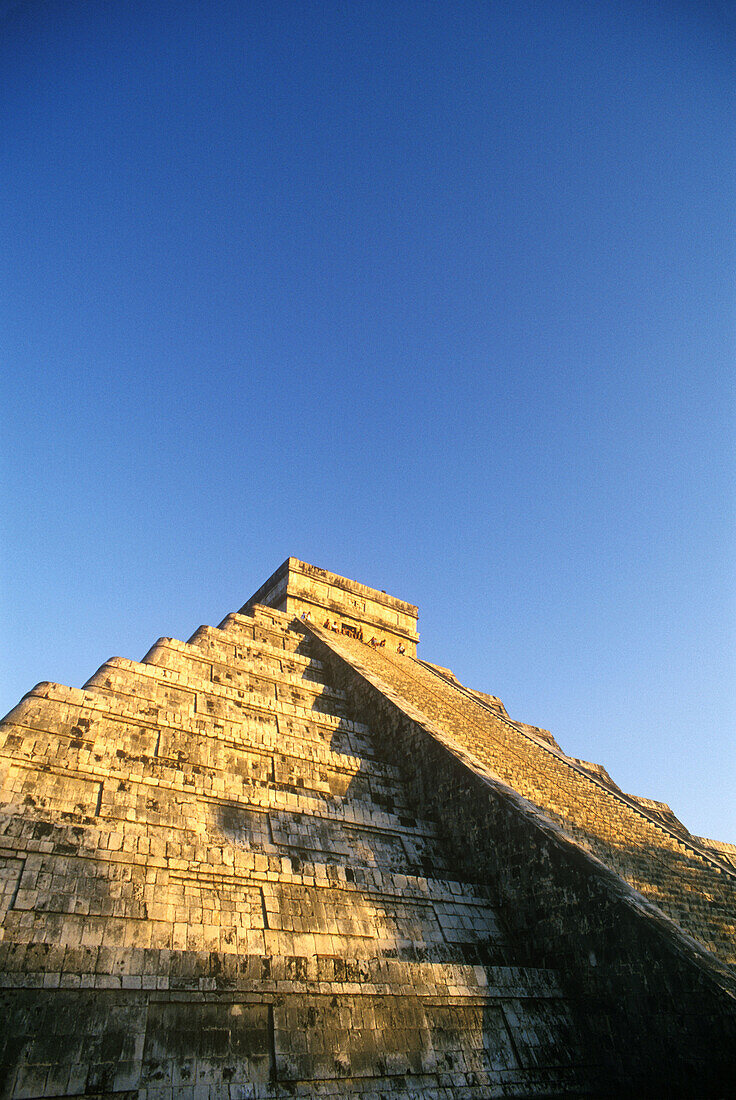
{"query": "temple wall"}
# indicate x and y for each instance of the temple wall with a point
(299, 588)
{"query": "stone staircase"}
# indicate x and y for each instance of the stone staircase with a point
(678, 873)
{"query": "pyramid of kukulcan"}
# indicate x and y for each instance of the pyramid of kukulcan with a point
(290, 858)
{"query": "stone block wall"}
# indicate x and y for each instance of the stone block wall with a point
(299, 588)
(215, 883)
(659, 1009)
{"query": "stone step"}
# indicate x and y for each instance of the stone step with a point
(126, 848)
(342, 1042)
(266, 625)
(179, 688)
(170, 796)
(147, 732)
(203, 669)
(107, 967)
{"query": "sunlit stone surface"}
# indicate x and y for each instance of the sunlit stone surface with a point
(287, 858)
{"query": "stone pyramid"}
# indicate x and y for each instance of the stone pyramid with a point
(290, 858)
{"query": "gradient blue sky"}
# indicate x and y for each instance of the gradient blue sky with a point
(439, 296)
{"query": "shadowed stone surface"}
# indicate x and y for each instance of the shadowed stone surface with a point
(276, 860)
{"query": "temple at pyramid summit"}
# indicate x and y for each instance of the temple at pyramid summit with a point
(290, 857)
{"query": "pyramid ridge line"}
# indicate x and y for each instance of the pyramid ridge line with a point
(633, 899)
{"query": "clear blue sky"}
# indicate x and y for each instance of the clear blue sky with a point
(439, 296)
